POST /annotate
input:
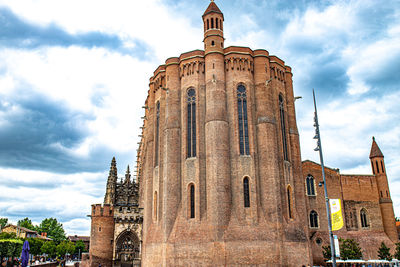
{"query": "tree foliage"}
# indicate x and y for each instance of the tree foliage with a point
(397, 252)
(349, 249)
(35, 245)
(80, 247)
(27, 223)
(49, 248)
(65, 247)
(384, 252)
(10, 248)
(3, 222)
(53, 228)
(6, 235)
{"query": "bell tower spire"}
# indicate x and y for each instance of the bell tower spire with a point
(213, 20)
(385, 201)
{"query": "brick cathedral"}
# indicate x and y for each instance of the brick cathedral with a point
(220, 181)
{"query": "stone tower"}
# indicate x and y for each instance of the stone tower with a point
(385, 201)
(219, 160)
(116, 226)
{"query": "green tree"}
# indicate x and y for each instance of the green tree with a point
(10, 248)
(35, 245)
(79, 247)
(49, 248)
(384, 252)
(5, 235)
(397, 252)
(53, 228)
(350, 249)
(65, 247)
(3, 222)
(326, 251)
(27, 224)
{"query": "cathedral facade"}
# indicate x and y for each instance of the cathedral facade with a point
(219, 160)
(220, 181)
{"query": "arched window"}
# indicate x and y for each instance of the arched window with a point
(243, 124)
(155, 206)
(212, 23)
(216, 23)
(157, 132)
(313, 219)
(283, 127)
(191, 123)
(383, 169)
(246, 192)
(377, 166)
(310, 185)
(208, 24)
(192, 198)
(363, 217)
(289, 202)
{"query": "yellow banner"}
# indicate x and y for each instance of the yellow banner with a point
(336, 214)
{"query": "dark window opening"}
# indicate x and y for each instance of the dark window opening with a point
(155, 205)
(192, 214)
(212, 23)
(381, 194)
(191, 123)
(216, 23)
(363, 216)
(157, 132)
(387, 193)
(383, 169)
(99, 229)
(289, 196)
(313, 219)
(212, 43)
(208, 24)
(373, 169)
(246, 192)
(283, 127)
(243, 122)
(310, 185)
(377, 166)
(318, 241)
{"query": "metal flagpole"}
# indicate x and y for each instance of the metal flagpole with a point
(328, 210)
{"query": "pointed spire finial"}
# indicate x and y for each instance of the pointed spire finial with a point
(127, 170)
(373, 138)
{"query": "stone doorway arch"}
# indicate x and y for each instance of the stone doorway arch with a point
(127, 250)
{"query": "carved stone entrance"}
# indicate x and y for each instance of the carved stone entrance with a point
(127, 249)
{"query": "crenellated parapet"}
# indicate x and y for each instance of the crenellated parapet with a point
(102, 210)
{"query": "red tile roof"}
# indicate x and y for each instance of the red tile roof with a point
(212, 7)
(375, 151)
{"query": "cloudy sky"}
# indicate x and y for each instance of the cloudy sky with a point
(74, 75)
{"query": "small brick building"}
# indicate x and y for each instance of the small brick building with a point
(367, 207)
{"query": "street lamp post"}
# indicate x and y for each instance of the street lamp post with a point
(328, 210)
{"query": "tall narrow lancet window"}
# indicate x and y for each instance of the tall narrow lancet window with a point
(192, 201)
(191, 123)
(383, 169)
(246, 192)
(363, 216)
(243, 123)
(155, 206)
(313, 219)
(157, 132)
(377, 166)
(289, 202)
(283, 127)
(310, 185)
